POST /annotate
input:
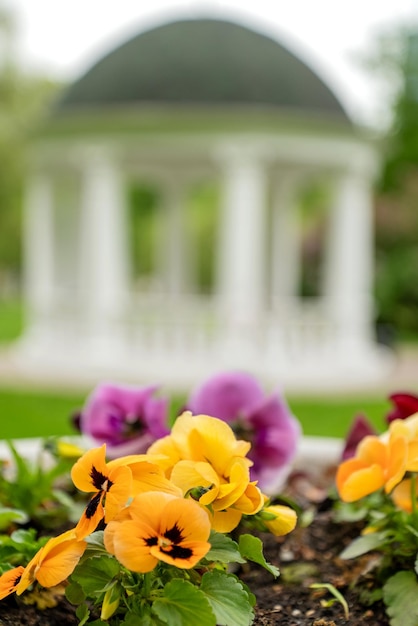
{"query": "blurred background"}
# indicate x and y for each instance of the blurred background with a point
(366, 54)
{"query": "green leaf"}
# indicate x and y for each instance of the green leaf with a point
(251, 548)
(228, 599)
(363, 544)
(83, 614)
(184, 605)
(8, 516)
(74, 593)
(223, 550)
(400, 594)
(95, 573)
(338, 597)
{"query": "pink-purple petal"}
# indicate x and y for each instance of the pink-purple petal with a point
(226, 396)
(124, 417)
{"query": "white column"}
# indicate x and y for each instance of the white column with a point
(286, 260)
(103, 251)
(349, 261)
(242, 241)
(175, 244)
(38, 246)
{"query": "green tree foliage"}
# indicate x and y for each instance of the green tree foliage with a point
(397, 194)
(23, 100)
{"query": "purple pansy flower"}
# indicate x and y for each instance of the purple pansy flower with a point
(266, 421)
(128, 419)
(405, 404)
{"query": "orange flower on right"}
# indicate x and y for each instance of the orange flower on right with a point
(378, 463)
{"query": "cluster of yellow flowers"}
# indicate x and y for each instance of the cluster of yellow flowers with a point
(158, 506)
(383, 462)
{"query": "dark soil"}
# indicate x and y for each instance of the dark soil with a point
(310, 555)
(307, 555)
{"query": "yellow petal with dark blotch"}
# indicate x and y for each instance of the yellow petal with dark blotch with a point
(185, 556)
(131, 543)
(9, 581)
(81, 472)
(191, 520)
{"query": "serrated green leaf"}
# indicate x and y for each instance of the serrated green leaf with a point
(184, 605)
(363, 544)
(74, 593)
(95, 573)
(400, 594)
(228, 599)
(223, 550)
(251, 548)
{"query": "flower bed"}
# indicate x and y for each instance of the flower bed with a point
(181, 533)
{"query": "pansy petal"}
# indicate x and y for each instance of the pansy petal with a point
(91, 517)
(372, 450)
(361, 483)
(188, 518)
(226, 395)
(82, 470)
(131, 541)
(189, 475)
(9, 581)
(225, 521)
(398, 456)
(185, 556)
(119, 492)
(251, 501)
(54, 562)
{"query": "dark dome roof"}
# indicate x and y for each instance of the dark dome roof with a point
(203, 61)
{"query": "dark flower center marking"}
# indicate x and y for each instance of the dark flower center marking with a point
(91, 508)
(99, 480)
(174, 534)
(151, 541)
(177, 552)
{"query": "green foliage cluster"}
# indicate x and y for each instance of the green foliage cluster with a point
(207, 594)
(391, 535)
(23, 101)
(397, 197)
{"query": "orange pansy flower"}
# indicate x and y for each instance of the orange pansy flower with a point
(377, 464)
(162, 528)
(402, 494)
(9, 581)
(111, 487)
(54, 562)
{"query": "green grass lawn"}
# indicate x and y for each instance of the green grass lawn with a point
(331, 416)
(39, 414)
